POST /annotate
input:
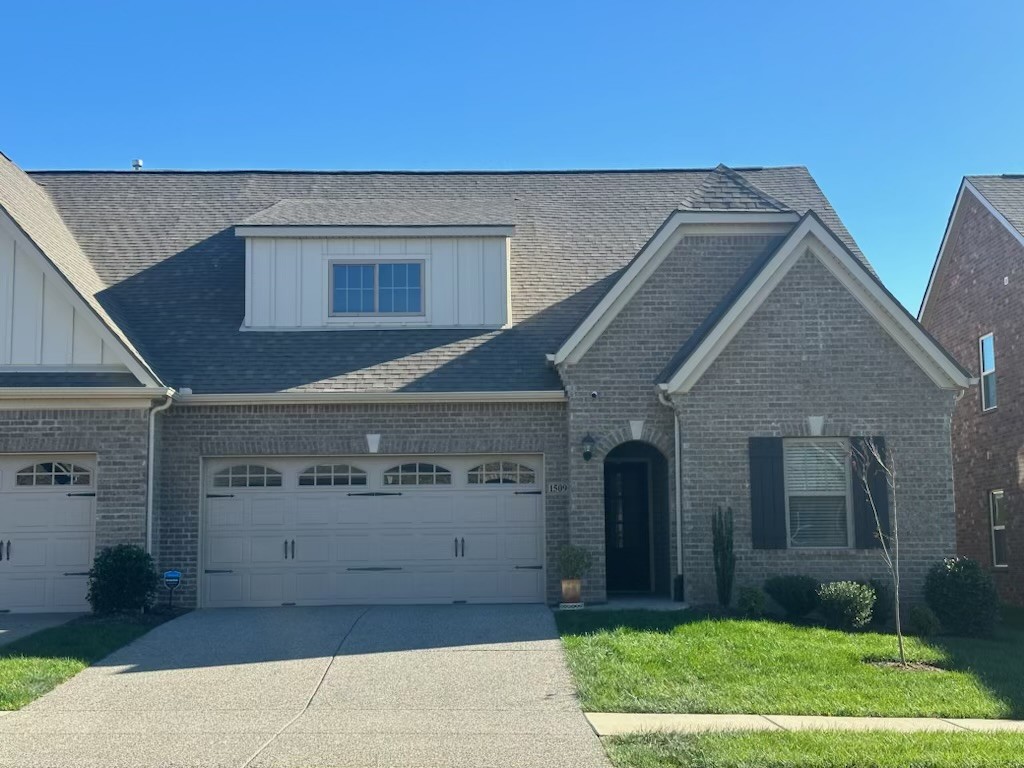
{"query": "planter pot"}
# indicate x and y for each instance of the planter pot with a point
(571, 589)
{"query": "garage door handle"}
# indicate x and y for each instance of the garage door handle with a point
(293, 549)
(217, 570)
(286, 549)
(463, 547)
(456, 546)
(8, 549)
(1, 549)
(82, 493)
(529, 567)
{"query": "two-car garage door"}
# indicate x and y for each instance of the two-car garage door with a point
(323, 531)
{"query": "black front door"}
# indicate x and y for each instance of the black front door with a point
(627, 527)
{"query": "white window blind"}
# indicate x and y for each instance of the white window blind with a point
(817, 490)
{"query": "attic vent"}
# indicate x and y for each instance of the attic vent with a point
(137, 164)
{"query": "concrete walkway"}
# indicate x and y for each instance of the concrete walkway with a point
(423, 686)
(619, 723)
(14, 626)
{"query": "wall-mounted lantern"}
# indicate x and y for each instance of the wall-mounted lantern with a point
(588, 447)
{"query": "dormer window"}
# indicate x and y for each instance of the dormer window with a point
(382, 288)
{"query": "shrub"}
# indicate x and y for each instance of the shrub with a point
(122, 580)
(751, 602)
(573, 562)
(725, 558)
(846, 605)
(923, 622)
(962, 596)
(797, 595)
(881, 614)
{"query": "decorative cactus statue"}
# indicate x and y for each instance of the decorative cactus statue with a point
(725, 558)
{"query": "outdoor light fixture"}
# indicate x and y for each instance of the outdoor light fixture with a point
(588, 447)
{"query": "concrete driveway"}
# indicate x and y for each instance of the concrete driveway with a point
(419, 686)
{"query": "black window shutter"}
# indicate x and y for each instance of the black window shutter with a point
(767, 493)
(865, 534)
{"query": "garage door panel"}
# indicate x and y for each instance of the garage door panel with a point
(314, 586)
(267, 587)
(224, 588)
(69, 593)
(73, 551)
(318, 509)
(313, 548)
(267, 548)
(357, 510)
(225, 513)
(225, 550)
(522, 510)
(472, 507)
(479, 546)
(74, 512)
(29, 550)
(523, 585)
(270, 511)
(25, 593)
(28, 512)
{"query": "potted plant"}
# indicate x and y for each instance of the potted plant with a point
(574, 563)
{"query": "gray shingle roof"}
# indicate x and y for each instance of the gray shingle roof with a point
(1006, 194)
(723, 189)
(34, 213)
(383, 212)
(163, 245)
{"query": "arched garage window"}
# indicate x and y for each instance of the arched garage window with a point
(493, 472)
(247, 476)
(54, 473)
(333, 474)
(418, 473)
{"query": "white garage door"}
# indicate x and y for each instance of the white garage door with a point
(47, 514)
(324, 531)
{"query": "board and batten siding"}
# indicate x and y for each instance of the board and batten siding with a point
(288, 282)
(39, 322)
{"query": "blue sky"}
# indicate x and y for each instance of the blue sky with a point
(888, 104)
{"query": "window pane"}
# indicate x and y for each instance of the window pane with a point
(988, 390)
(353, 288)
(816, 467)
(999, 547)
(988, 354)
(997, 499)
(399, 288)
(818, 521)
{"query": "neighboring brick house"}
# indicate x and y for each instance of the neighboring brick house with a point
(319, 388)
(973, 307)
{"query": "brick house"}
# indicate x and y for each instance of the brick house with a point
(972, 308)
(320, 388)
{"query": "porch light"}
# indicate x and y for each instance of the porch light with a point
(588, 447)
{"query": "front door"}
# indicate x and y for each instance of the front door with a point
(627, 531)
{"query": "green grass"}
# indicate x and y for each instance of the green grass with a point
(35, 664)
(648, 661)
(816, 749)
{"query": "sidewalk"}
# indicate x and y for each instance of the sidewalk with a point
(618, 723)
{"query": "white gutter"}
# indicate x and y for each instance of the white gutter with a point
(285, 398)
(149, 465)
(79, 393)
(677, 434)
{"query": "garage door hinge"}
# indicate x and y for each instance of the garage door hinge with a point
(216, 570)
(373, 568)
(82, 493)
(77, 573)
(529, 567)
(528, 493)
(376, 493)
(220, 495)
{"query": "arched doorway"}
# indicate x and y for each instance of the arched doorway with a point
(636, 519)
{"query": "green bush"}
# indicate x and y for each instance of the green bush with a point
(881, 614)
(962, 596)
(923, 622)
(797, 595)
(122, 580)
(846, 605)
(751, 602)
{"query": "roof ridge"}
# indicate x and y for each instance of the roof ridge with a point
(714, 185)
(395, 172)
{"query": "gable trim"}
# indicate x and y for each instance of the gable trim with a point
(131, 359)
(965, 185)
(647, 260)
(813, 237)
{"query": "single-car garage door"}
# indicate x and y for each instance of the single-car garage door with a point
(47, 514)
(323, 531)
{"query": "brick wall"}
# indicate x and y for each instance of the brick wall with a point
(119, 438)
(812, 350)
(188, 434)
(623, 365)
(968, 300)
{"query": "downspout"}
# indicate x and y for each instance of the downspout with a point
(150, 473)
(677, 433)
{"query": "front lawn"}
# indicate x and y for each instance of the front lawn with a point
(817, 749)
(649, 661)
(34, 665)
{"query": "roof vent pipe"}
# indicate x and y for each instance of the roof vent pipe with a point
(137, 164)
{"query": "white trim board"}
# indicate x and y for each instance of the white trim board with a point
(382, 231)
(650, 257)
(70, 293)
(811, 236)
(965, 185)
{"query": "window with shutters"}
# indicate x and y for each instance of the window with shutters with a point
(997, 511)
(818, 481)
(987, 363)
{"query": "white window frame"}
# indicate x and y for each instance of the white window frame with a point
(850, 532)
(376, 263)
(992, 523)
(991, 372)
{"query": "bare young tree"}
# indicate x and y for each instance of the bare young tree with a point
(867, 455)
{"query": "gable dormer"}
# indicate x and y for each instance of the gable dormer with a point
(358, 263)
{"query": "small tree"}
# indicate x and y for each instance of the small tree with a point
(725, 558)
(865, 455)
